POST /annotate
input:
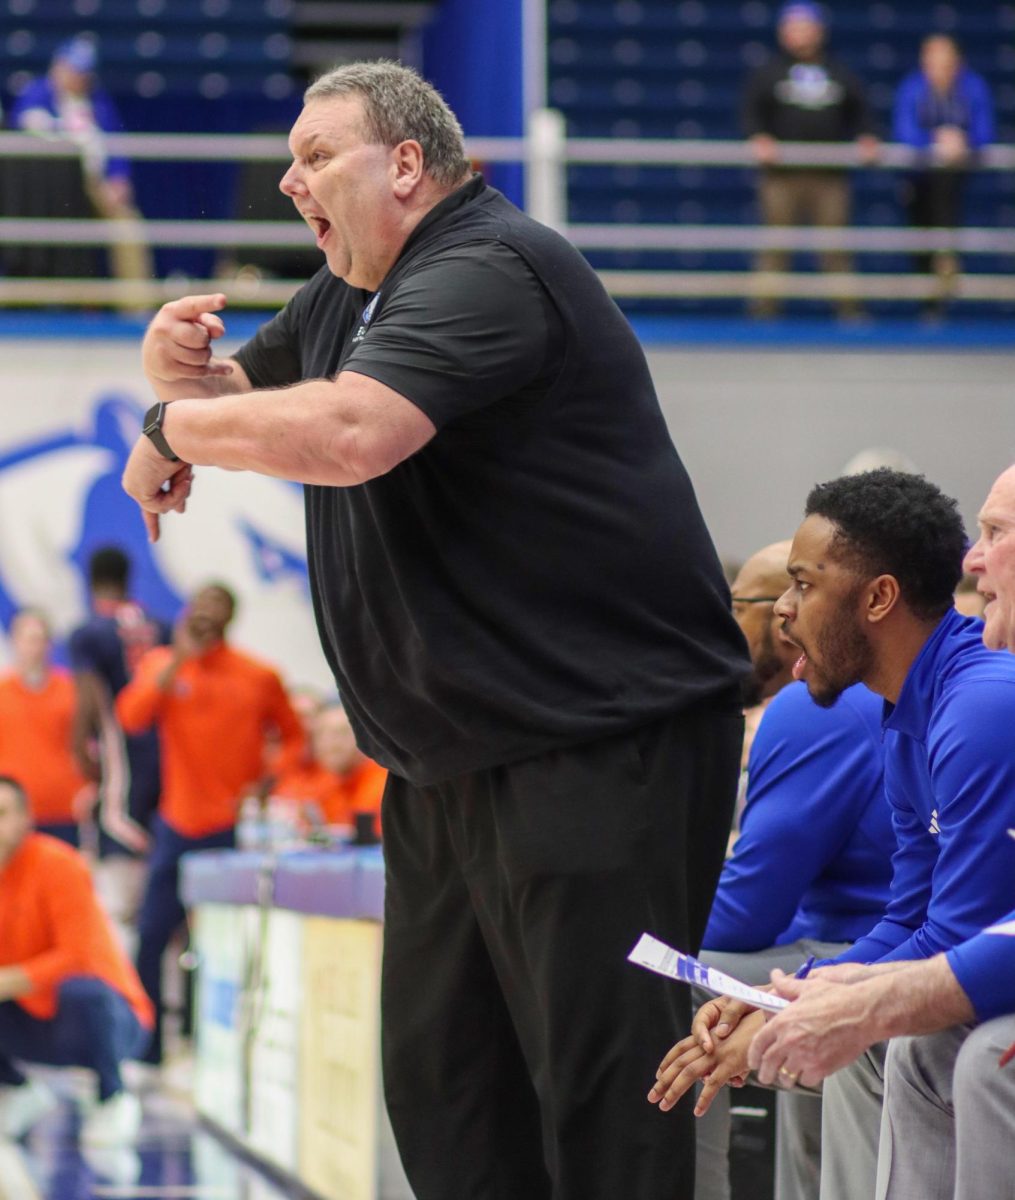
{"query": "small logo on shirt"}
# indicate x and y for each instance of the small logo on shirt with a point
(367, 313)
(933, 828)
(808, 85)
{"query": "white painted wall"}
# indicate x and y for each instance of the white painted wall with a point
(757, 429)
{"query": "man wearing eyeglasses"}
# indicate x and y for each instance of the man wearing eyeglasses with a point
(812, 865)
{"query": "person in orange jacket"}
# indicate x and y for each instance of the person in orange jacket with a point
(37, 707)
(337, 777)
(68, 993)
(215, 709)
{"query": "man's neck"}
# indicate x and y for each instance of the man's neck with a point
(8, 856)
(430, 196)
(108, 595)
(34, 677)
(901, 649)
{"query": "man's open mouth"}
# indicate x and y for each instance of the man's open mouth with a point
(320, 226)
(801, 663)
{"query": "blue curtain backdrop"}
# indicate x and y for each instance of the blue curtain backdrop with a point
(472, 52)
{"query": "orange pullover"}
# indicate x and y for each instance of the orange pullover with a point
(54, 928)
(339, 797)
(212, 718)
(35, 744)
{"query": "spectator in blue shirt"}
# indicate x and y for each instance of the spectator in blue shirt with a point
(944, 112)
(874, 566)
(811, 867)
(949, 1110)
(69, 102)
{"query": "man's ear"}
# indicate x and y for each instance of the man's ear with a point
(882, 597)
(408, 162)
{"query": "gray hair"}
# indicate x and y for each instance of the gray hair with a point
(399, 106)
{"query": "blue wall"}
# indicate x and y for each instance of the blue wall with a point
(472, 51)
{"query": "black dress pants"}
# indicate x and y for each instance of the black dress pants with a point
(934, 201)
(518, 1043)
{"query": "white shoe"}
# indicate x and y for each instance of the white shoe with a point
(23, 1107)
(114, 1122)
(114, 1164)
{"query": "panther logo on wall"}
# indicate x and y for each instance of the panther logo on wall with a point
(60, 499)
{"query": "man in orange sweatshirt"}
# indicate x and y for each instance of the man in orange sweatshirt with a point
(68, 994)
(214, 709)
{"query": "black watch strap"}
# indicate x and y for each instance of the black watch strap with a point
(152, 429)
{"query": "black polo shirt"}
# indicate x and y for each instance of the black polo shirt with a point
(539, 573)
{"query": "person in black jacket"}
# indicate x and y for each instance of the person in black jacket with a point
(527, 623)
(802, 95)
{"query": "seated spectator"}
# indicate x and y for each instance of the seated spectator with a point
(306, 702)
(37, 707)
(339, 779)
(950, 1075)
(803, 95)
(214, 708)
(752, 609)
(944, 112)
(68, 994)
(70, 102)
(811, 868)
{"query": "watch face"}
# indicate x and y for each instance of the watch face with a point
(153, 420)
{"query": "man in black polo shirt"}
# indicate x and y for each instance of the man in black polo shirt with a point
(527, 623)
(802, 95)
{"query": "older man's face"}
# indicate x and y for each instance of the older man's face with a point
(342, 186)
(992, 560)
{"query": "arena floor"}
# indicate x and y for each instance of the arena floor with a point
(174, 1159)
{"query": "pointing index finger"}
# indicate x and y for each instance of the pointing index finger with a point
(192, 308)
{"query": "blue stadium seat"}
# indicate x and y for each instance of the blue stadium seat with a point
(676, 68)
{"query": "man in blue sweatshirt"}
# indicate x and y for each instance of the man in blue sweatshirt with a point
(874, 566)
(812, 864)
(949, 1114)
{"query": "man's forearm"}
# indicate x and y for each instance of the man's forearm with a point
(336, 432)
(922, 997)
(292, 433)
(165, 677)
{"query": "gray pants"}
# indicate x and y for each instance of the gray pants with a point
(798, 1115)
(949, 1123)
(851, 1126)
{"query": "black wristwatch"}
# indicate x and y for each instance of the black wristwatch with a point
(152, 429)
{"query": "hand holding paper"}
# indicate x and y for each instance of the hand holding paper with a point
(725, 1062)
(656, 956)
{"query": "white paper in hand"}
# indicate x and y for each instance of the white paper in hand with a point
(656, 956)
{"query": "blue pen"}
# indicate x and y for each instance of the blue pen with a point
(803, 971)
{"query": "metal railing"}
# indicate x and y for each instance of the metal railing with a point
(546, 153)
